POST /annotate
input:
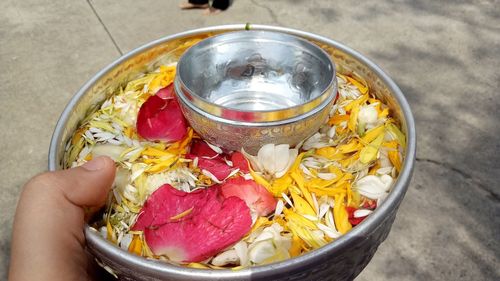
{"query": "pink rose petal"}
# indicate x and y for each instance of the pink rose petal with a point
(210, 223)
(161, 119)
(239, 161)
(167, 92)
(255, 195)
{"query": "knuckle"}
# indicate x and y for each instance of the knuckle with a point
(43, 180)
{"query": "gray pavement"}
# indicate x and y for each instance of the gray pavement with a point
(444, 55)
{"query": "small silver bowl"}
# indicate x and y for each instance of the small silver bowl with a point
(249, 88)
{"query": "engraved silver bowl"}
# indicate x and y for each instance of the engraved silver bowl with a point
(342, 259)
(249, 88)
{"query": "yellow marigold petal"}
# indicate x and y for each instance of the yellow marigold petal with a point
(362, 88)
(119, 208)
(348, 193)
(391, 144)
(136, 245)
(146, 251)
(353, 118)
(302, 206)
(340, 215)
(396, 133)
(140, 184)
(110, 233)
(326, 152)
(395, 159)
(350, 160)
(296, 175)
(260, 222)
(338, 188)
(356, 199)
(384, 113)
(280, 185)
(329, 191)
(297, 245)
(151, 160)
(372, 134)
(347, 177)
(300, 181)
(88, 157)
(259, 179)
(335, 170)
(296, 164)
(330, 153)
(308, 197)
(299, 219)
(337, 119)
(305, 234)
(321, 183)
(369, 152)
(374, 168)
(78, 136)
(161, 79)
(298, 178)
(162, 166)
(129, 132)
(181, 147)
(197, 265)
(356, 103)
(352, 146)
(280, 220)
(154, 152)
(131, 206)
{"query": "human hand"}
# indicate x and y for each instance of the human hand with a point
(48, 242)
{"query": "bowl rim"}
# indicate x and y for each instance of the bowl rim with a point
(238, 123)
(328, 91)
(162, 269)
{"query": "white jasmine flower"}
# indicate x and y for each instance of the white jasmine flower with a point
(274, 160)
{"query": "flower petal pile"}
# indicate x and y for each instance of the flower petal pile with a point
(181, 199)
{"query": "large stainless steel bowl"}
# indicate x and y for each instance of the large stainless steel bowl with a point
(341, 260)
(249, 88)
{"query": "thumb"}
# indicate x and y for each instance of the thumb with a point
(48, 240)
(87, 185)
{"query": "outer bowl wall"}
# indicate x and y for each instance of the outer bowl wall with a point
(343, 259)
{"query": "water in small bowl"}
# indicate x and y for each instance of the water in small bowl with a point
(255, 101)
(259, 93)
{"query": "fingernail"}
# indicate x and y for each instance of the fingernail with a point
(94, 164)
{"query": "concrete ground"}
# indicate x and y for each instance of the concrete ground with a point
(444, 55)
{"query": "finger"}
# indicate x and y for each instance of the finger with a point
(85, 186)
(48, 227)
